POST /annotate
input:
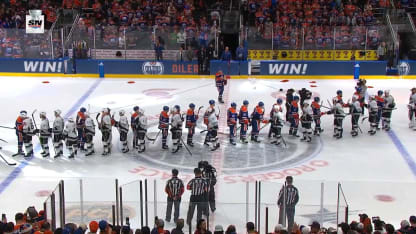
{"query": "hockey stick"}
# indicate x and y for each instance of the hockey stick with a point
(199, 109)
(33, 117)
(157, 135)
(98, 122)
(186, 147)
(363, 119)
(150, 139)
(7, 162)
(3, 141)
(7, 127)
(284, 142)
(360, 129)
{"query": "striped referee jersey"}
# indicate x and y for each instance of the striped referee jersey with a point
(291, 197)
(198, 186)
(174, 187)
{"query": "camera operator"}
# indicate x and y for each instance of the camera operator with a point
(209, 173)
(304, 95)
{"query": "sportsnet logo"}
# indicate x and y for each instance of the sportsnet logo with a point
(35, 22)
(152, 68)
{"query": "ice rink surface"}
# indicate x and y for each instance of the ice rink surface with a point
(377, 172)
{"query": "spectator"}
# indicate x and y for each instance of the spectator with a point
(226, 55)
(381, 51)
(179, 226)
(202, 56)
(412, 221)
(250, 228)
(174, 188)
(93, 227)
(180, 55)
(288, 198)
(138, 231)
(8, 228)
(45, 228)
(158, 51)
(279, 228)
(231, 230)
(103, 225)
(189, 54)
(19, 218)
(159, 227)
(145, 230)
(199, 188)
(390, 229)
(218, 229)
(201, 227)
(241, 53)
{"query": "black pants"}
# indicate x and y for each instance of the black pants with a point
(290, 215)
(176, 204)
(200, 203)
(211, 199)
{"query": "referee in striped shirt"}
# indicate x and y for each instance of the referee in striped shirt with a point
(288, 198)
(199, 188)
(174, 188)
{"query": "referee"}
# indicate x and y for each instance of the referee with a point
(288, 198)
(199, 188)
(174, 188)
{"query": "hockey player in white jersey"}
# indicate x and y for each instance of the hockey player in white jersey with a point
(412, 109)
(213, 129)
(57, 130)
(355, 111)
(28, 132)
(306, 121)
(279, 107)
(71, 136)
(176, 128)
(44, 134)
(339, 116)
(388, 107)
(105, 127)
(276, 125)
(372, 112)
(123, 128)
(141, 130)
(89, 134)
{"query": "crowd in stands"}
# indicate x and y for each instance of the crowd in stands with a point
(33, 222)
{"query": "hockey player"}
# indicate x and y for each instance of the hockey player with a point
(412, 108)
(44, 134)
(338, 99)
(19, 133)
(191, 118)
(306, 120)
(294, 117)
(256, 119)
(339, 116)
(220, 82)
(89, 134)
(28, 131)
(57, 130)
(133, 121)
(80, 120)
(380, 105)
(176, 129)
(213, 129)
(289, 98)
(355, 111)
(372, 111)
(123, 129)
(207, 113)
(389, 105)
(232, 117)
(279, 106)
(105, 127)
(70, 134)
(276, 121)
(317, 113)
(141, 131)
(244, 121)
(164, 125)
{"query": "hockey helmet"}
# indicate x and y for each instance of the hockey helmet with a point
(141, 111)
(261, 104)
(42, 113)
(176, 108)
(296, 98)
(211, 102)
(358, 88)
(339, 92)
(82, 109)
(191, 105)
(380, 92)
(316, 99)
(233, 104)
(245, 102)
(386, 92)
(121, 112)
(354, 98)
(23, 114)
(136, 108)
(106, 110)
(165, 108)
(58, 112)
(279, 101)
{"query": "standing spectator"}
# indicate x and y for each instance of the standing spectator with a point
(189, 54)
(381, 51)
(250, 228)
(179, 226)
(174, 188)
(201, 227)
(159, 51)
(180, 55)
(201, 60)
(210, 56)
(241, 53)
(226, 55)
(199, 188)
(412, 221)
(288, 198)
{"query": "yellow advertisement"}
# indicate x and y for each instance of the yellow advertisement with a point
(312, 55)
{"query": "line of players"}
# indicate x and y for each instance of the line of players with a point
(79, 134)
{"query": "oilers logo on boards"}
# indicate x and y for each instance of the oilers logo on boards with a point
(404, 68)
(35, 22)
(153, 68)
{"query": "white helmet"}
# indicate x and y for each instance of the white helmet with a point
(121, 112)
(23, 114)
(306, 102)
(386, 92)
(42, 113)
(105, 110)
(141, 111)
(58, 112)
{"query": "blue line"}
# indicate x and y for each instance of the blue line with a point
(16, 172)
(403, 151)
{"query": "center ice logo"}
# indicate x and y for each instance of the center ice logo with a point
(152, 68)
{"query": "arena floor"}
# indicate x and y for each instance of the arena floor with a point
(377, 172)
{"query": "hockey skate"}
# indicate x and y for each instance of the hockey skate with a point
(255, 139)
(29, 154)
(141, 150)
(354, 133)
(19, 153)
(175, 150)
(220, 100)
(165, 147)
(216, 147)
(190, 144)
(232, 142)
(243, 140)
